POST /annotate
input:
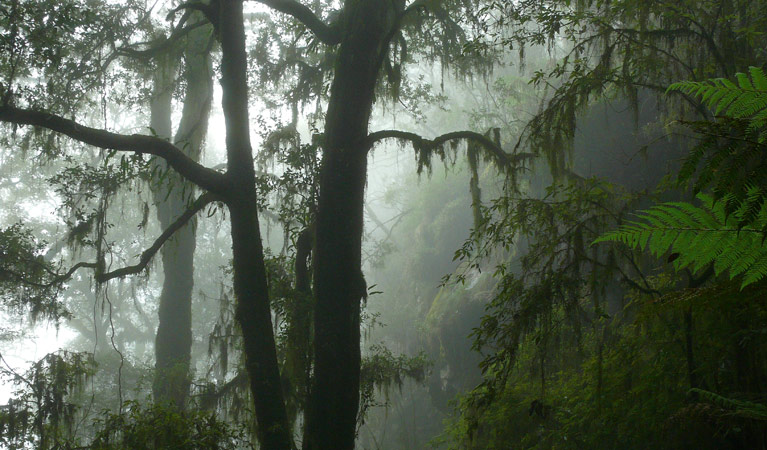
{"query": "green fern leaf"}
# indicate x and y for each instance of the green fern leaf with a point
(745, 100)
(758, 77)
(702, 235)
(744, 82)
(740, 408)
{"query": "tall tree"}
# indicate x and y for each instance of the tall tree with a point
(173, 344)
(362, 35)
(339, 283)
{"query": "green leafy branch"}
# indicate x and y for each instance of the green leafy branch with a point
(745, 100)
(739, 408)
(701, 235)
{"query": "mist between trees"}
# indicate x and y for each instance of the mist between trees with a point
(457, 224)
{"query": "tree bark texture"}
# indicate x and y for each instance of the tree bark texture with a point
(339, 283)
(173, 342)
(296, 368)
(253, 312)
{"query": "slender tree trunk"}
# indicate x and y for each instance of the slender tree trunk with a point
(170, 351)
(173, 342)
(253, 312)
(298, 353)
(339, 283)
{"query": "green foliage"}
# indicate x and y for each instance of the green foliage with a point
(44, 407)
(28, 283)
(50, 410)
(746, 100)
(581, 348)
(728, 233)
(626, 386)
(627, 48)
(739, 408)
(381, 370)
(701, 235)
(63, 46)
(157, 427)
(555, 275)
(726, 161)
(729, 156)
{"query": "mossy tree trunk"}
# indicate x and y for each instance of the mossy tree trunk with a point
(253, 313)
(339, 284)
(172, 195)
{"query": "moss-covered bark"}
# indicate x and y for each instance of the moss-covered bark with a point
(339, 283)
(173, 342)
(253, 312)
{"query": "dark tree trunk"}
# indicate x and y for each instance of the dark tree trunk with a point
(253, 315)
(173, 342)
(298, 351)
(253, 312)
(339, 283)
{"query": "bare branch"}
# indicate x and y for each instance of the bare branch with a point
(198, 174)
(147, 255)
(21, 279)
(81, 265)
(501, 158)
(325, 33)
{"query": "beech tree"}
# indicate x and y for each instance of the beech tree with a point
(359, 41)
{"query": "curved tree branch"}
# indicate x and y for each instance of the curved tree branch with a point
(147, 255)
(198, 174)
(500, 157)
(326, 34)
(154, 47)
(417, 5)
(210, 11)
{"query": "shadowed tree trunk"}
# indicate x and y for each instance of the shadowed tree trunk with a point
(253, 313)
(173, 342)
(298, 354)
(362, 34)
(339, 283)
(236, 188)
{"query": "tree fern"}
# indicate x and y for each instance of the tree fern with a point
(745, 100)
(739, 408)
(702, 235)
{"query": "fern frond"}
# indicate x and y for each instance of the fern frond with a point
(702, 235)
(745, 100)
(740, 408)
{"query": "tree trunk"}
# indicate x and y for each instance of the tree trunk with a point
(170, 350)
(339, 283)
(253, 313)
(173, 342)
(298, 354)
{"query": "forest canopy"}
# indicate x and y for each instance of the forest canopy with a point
(464, 224)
